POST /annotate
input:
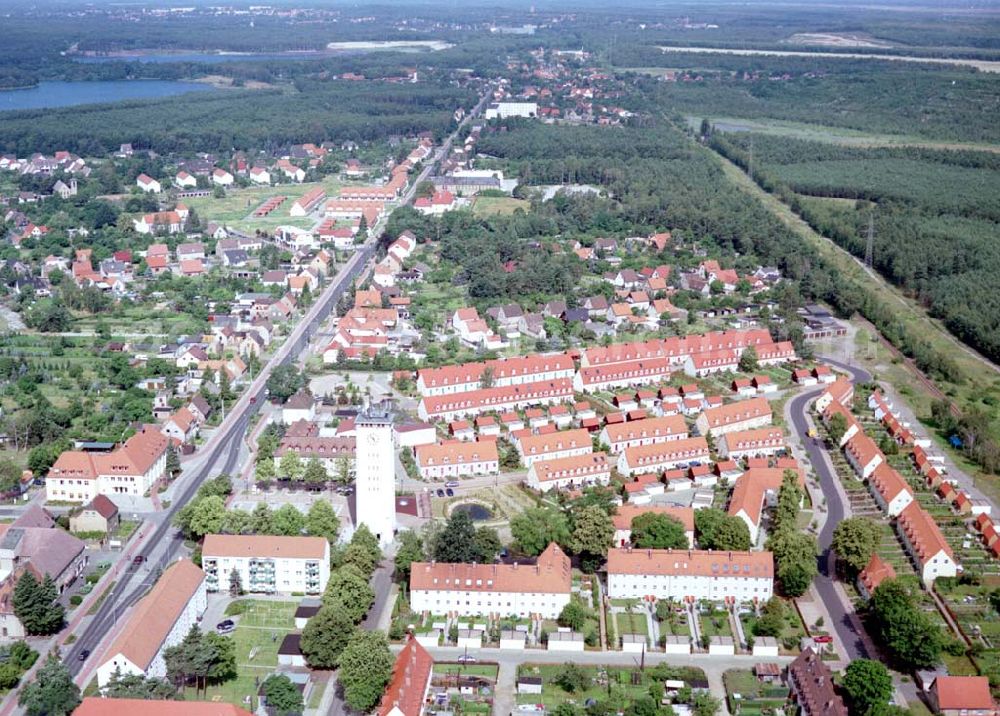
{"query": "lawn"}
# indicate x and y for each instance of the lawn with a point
(632, 624)
(258, 635)
(715, 623)
(487, 205)
(488, 671)
(753, 695)
(240, 203)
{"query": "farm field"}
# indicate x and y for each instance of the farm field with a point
(490, 205)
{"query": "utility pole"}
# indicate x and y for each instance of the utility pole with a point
(870, 241)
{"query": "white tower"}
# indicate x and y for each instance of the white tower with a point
(375, 486)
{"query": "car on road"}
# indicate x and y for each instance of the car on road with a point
(138, 559)
(466, 659)
(84, 654)
(450, 492)
(440, 493)
(226, 626)
(451, 483)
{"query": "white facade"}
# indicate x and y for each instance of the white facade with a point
(263, 573)
(471, 603)
(503, 110)
(684, 586)
(376, 479)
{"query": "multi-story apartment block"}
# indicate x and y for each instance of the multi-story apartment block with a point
(541, 589)
(733, 417)
(690, 575)
(267, 564)
(654, 458)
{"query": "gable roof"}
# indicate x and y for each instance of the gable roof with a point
(410, 675)
(156, 613)
(963, 693)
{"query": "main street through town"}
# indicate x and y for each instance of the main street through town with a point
(220, 454)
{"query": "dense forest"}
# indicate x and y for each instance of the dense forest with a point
(250, 120)
(886, 98)
(936, 218)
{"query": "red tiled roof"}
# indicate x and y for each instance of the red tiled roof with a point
(410, 677)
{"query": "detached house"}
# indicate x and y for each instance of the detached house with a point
(148, 184)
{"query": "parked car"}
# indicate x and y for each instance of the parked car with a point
(823, 639)
(450, 492)
(226, 626)
(466, 659)
(451, 483)
(440, 493)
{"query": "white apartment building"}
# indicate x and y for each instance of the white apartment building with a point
(504, 110)
(649, 431)
(80, 476)
(662, 456)
(159, 620)
(457, 457)
(553, 446)
(569, 472)
(518, 370)
(688, 575)
(541, 589)
(734, 417)
(266, 563)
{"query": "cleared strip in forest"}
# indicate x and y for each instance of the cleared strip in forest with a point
(971, 362)
(982, 65)
(832, 135)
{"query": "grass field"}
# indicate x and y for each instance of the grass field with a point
(601, 677)
(487, 205)
(238, 204)
(258, 635)
(835, 135)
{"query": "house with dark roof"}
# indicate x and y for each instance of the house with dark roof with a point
(44, 550)
(811, 682)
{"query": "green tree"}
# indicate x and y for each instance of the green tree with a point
(235, 583)
(284, 382)
(537, 527)
(291, 466)
(868, 684)
(457, 541)
(35, 605)
(574, 615)
(717, 530)
(572, 679)
(207, 516)
(593, 532)
(789, 501)
(288, 521)
(262, 520)
(748, 360)
(342, 471)
(795, 560)
(236, 522)
(325, 636)
(410, 550)
(658, 531)
(264, 470)
(704, 704)
(836, 426)
(363, 551)
(365, 669)
(137, 686)
(854, 541)
(52, 693)
(173, 461)
(348, 590)
(904, 628)
(315, 473)
(282, 697)
(322, 521)
(771, 621)
(488, 544)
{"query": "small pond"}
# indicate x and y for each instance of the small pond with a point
(474, 510)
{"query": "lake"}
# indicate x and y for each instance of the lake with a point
(65, 94)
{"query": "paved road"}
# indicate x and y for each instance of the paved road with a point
(842, 616)
(219, 455)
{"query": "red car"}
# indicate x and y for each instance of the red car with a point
(823, 639)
